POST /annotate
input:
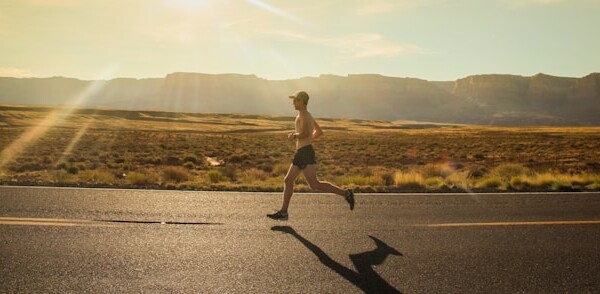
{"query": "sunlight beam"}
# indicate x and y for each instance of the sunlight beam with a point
(272, 9)
(55, 117)
(74, 142)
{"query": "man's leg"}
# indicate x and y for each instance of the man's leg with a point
(288, 188)
(310, 173)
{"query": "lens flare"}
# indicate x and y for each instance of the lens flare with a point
(74, 142)
(272, 9)
(56, 117)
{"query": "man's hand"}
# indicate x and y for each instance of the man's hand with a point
(292, 136)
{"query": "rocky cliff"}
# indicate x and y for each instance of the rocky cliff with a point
(480, 99)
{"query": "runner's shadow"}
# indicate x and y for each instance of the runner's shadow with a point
(365, 277)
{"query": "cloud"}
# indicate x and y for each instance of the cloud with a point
(15, 72)
(352, 46)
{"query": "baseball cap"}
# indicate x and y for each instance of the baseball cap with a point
(300, 95)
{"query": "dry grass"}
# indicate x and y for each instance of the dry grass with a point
(410, 180)
(121, 148)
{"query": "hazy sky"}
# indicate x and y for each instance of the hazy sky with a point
(283, 39)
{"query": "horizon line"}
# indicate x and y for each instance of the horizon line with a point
(298, 78)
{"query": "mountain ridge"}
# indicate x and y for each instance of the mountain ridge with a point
(488, 99)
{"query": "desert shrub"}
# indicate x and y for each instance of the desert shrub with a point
(172, 160)
(215, 176)
(175, 174)
(491, 182)
(189, 165)
(152, 160)
(192, 158)
(229, 172)
(595, 185)
(592, 180)
(387, 179)
(434, 183)
(97, 177)
(26, 167)
(477, 173)
(47, 160)
(508, 170)
(59, 176)
(281, 169)
(254, 175)
(73, 170)
(561, 186)
(76, 158)
(433, 170)
(408, 180)
(458, 180)
(541, 180)
(359, 180)
(518, 183)
(138, 178)
(266, 168)
(237, 158)
(580, 180)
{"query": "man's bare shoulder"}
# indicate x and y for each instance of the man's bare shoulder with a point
(305, 115)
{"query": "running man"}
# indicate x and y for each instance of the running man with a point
(306, 130)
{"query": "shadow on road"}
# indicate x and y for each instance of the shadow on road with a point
(365, 277)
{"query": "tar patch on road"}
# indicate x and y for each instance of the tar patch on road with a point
(156, 222)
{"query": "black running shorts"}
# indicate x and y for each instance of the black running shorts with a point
(304, 156)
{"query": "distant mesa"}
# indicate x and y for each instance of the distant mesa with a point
(491, 99)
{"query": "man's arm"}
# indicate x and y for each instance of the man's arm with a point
(318, 132)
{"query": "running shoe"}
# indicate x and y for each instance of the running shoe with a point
(280, 215)
(350, 198)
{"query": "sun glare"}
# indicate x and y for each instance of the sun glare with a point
(74, 142)
(187, 3)
(272, 9)
(12, 151)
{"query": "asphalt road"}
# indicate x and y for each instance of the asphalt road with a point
(55, 240)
